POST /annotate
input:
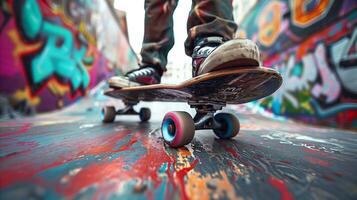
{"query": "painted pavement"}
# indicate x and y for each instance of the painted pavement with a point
(71, 154)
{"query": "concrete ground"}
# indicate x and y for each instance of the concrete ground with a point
(71, 154)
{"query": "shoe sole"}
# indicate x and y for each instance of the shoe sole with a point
(121, 82)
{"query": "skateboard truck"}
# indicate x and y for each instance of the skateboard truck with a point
(205, 121)
(204, 118)
(178, 128)
(108, 112)
(206, 93)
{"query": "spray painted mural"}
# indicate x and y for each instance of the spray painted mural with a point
(313, 44)
(53, 52)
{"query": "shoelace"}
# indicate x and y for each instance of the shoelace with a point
(201, 53)
(141, 72)
(205, 50)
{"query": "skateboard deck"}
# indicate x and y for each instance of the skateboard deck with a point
(234, 86)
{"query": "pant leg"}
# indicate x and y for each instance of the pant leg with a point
(209, 18)
(158, 33)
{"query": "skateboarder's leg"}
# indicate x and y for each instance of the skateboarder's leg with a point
(210, 25)
(209, 18)
(158, 40)
(158, 33)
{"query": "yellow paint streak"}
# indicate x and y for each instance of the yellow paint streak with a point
(56, 88)
(60, 11)
(20, 46)
(196, 186)
(185, 152)
(25, 94)
(307, 106)
(83, 29)
(182, 160)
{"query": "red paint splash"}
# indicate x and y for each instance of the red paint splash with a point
(170, 180)
(106, 176)
(180, 175)
(12, 175)
(315, 151)
(41, 162)
(229, 149)
(281, 187)
(317, 161)
(96, 173)
(23, 129)
(235, 154)
(146, 168)
(26, 147)
(108, 145)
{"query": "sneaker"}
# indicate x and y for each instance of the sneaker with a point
(142, 76)
(213, 53)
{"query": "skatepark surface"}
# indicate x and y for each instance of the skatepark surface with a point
(71, 154)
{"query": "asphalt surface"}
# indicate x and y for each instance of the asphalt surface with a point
(71, 154)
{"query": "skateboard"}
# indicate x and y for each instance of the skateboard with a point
(206, 93)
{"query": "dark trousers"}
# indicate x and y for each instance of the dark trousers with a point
(206, 18)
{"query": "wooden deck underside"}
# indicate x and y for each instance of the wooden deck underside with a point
(230, 86)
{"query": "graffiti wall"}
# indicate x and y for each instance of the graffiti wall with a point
(313, 45)
(54, 51)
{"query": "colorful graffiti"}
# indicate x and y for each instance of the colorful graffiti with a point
(53, 52)
(58, 56)
(313, 45)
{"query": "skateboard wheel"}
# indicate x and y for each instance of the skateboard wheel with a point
(108, 114)
(144, 114)
(178, 128)
(229, 125)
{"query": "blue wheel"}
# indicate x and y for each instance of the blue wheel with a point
(107, 114)
(229, 125)
(178, 128)
(144, 114)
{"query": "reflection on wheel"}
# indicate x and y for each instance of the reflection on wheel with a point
(178, 128)
(229, 125)
(108, 114)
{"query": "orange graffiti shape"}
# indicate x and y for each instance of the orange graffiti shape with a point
(303, 17)
(22, 47)
(270, 23)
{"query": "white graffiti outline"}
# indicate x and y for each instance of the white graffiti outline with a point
(339, 52)
(330, 86)
(313, 65)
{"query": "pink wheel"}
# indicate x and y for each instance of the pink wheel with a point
(108, 114)
(178, 128)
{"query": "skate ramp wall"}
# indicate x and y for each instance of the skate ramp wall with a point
(54, 51)
(313, 45)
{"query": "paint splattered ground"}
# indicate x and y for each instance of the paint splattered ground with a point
(71, 154)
